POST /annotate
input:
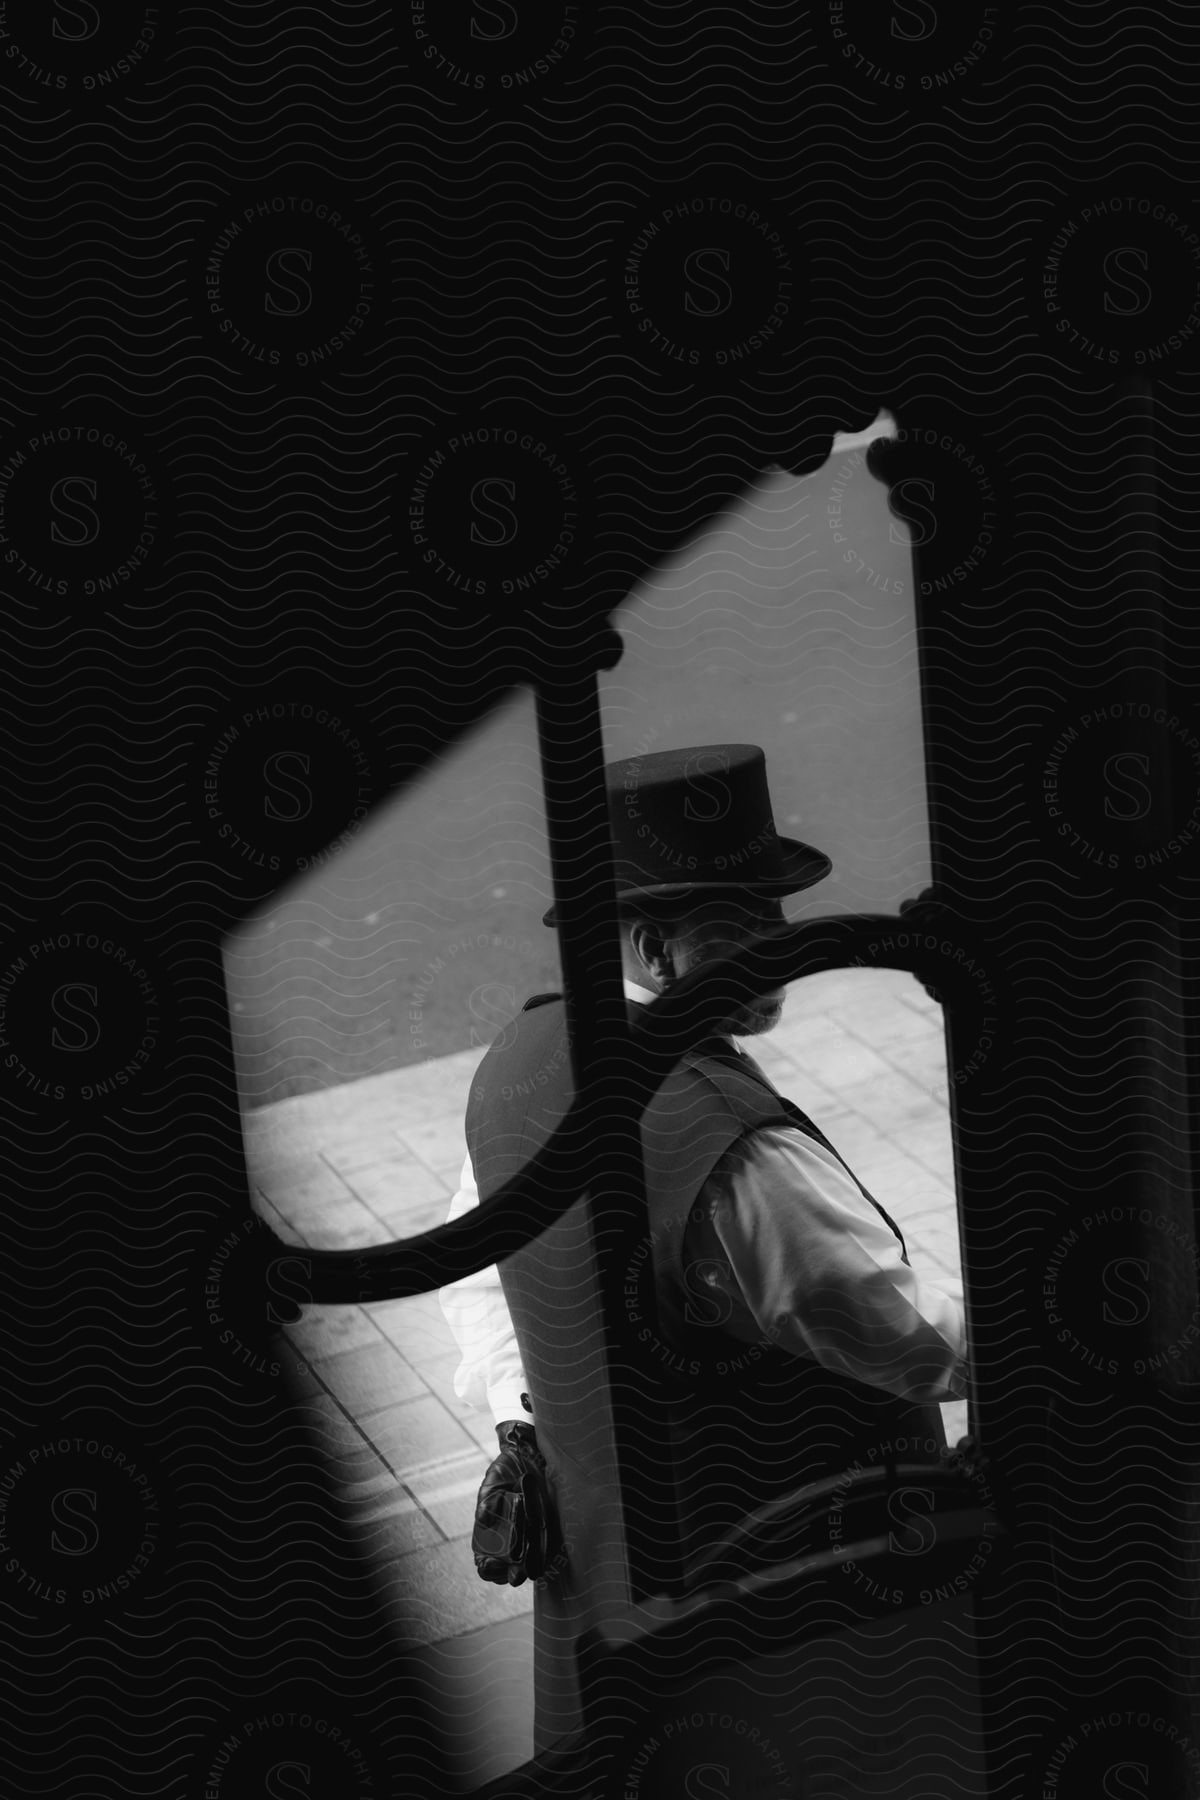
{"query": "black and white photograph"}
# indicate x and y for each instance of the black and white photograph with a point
(599, 1040)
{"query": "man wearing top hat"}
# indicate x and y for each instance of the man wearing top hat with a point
(821, 1343)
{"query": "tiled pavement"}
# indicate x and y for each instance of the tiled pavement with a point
(861, 1051)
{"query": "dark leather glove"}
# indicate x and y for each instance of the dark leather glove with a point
(515, 1537)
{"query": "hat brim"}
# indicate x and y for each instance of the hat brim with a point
(803, 867)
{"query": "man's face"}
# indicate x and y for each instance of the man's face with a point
(715, 930)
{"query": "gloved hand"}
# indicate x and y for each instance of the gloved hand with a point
(516, 1536)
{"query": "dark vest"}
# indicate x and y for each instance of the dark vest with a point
(771, 1422)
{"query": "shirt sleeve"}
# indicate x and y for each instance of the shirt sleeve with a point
(819, 1271)
(490, 1376)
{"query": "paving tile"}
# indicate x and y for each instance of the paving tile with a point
(891, 1101)
(448, 1491)
(371, 1377)
(437, 1141)
(433, 1089)
(296, 1187)
(414, 1433)
(349, 1456)
(832, 1055)
(266, 1209)
(931, 1144)
(922, 1060)
(349, 1151)
(940, 1233)
(845, 1061)
(417, 1327)
(934, 1206)
(804, 1091)
(935, 1258)
(266, 1206)
(857, 1141)
(937, 1242)
(902, 1178)
(373, 1102)
(324, 1330)
(450, 1173)
(439, 1373)
(799, 1034)
(412, 1221)
(851, 988)
(270, 1137)
(396, 1188)
(437, 1594)
(771, 1057)
(392, 1523)
(903, 1023)
(372, 1487)
(341, 1224)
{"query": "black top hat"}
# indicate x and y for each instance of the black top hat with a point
(700, 819)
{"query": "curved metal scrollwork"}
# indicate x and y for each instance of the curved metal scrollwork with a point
(648, 1050)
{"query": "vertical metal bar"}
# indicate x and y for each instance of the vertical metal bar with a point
(1126, 1117)
(607, 1159)
(945, 768)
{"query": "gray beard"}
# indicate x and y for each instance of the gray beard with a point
(753, 1023)
(749, 1019)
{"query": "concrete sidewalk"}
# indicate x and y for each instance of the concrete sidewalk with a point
(861, 1051)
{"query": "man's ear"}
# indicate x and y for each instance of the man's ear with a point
(650, 948)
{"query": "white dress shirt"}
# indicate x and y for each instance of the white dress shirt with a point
(799, 1252)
